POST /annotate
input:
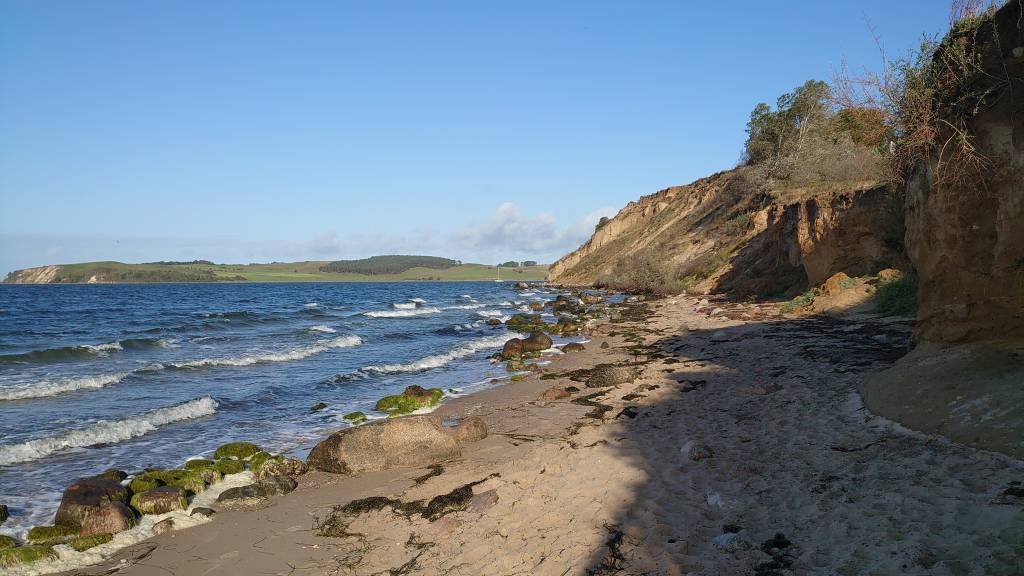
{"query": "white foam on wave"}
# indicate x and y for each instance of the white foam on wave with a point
(287, 356)
(466, 306)
(100, 348)
(311, 304)
(404, 305)
(107, 431)
(418, 300)
(439, 360)
(402, 313)
(490, 313)
(53, 388)
(321, 328)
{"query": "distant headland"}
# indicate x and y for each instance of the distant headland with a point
(389, 268)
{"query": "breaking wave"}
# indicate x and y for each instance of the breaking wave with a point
(287, 356)
(439, 360)
(321, 328)
(107, 431)
(402, 313)
(48, 388)
(85, 350)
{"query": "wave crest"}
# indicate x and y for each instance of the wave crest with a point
(47, 388)
(439, 360)
(107, 431)
(402, 313)
(297, 354)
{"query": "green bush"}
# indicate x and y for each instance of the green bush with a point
(897, 297)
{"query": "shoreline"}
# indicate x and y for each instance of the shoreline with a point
(725, 452)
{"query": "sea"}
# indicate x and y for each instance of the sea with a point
(134, 376)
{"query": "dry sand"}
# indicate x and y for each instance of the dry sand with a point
(741, 447)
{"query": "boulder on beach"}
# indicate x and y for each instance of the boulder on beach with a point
(4, 514)
(7, 542)
(356, 417)
(411, 399)
(512, 349)
(469, 430)
(604, 375)
(111, 518)
(83, 543)
(257, 492)
(592, 298)
(160, 500)
(836, 283)
(521, 286)
(524, 322)
(164, 526)
(85, 496)
(568, 326)
(536, 342)
(573, 347)
(493, 322)
(51, 534)
(284, 467)
(413, 441)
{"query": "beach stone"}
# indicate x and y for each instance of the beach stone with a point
(444, 527)
(536, 342)
(286, 467)
(469, 430)
(493, 322)
(604, 375)
(536, 369)
(318, 407)
(7, 542)
(411, 441)
(512, 349)
(160, 500)
(573, 347)
(203, 511)
(483, 501)
(239, 450)
(85, 496)
(521, 286)
(257, 492)
(552, 394)
(568, 326)
(111, 518)
(4, 514)
(605, 345)
(536, 306)
(164, 526)
(113, 474)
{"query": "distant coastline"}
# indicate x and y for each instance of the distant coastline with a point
(375, 269)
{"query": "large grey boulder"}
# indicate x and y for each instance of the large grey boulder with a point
(86, 496)
(411, 441)
(607, 375)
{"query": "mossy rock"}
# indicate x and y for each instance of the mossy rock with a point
(230, 466)
(515, 365)
(199, 464)
(7, 542)
(11, 557)
(412, 399)
(261, 458)
(51, 534)
(518, 378)
(85, 542)
(356, 417)
(144, 482)
(160, 500)
(240, 450)
(113, 474)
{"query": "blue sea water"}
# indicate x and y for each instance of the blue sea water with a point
(133, 376)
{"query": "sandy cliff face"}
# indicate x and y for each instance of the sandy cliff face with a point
(967, 240)
(40, 275)
(727, 234)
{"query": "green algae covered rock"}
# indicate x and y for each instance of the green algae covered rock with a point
(11, 557)
(356, 417)
(199, 463)
(515, 365)
(227, 466)
(85, 542)
(411, 399)
(239, 450)
(261, 458)
(7, 542)
(51, 534)
(160, 500)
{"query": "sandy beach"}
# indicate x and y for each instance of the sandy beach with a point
(738, 446)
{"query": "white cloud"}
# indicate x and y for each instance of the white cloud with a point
(510, 233)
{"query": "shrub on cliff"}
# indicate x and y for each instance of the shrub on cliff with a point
(897, 297)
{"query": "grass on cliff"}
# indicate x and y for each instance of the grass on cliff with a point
(897, 297)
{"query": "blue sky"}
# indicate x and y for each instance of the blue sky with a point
(259, 131)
